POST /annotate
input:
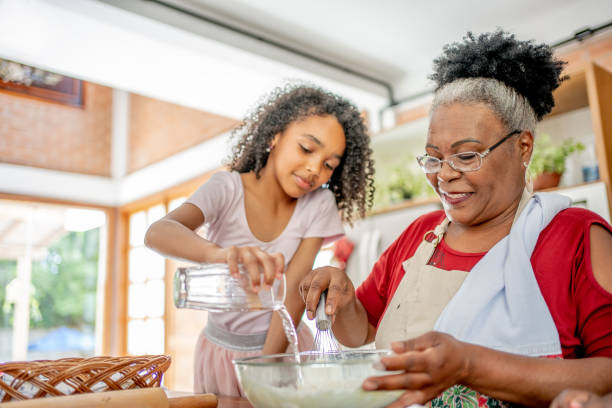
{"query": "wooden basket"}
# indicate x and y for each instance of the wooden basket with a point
(35, 379)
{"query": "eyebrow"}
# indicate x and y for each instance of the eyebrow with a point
(313, 138)
(317, 141)
(460, 142)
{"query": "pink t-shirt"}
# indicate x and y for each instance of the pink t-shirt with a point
(221, 200)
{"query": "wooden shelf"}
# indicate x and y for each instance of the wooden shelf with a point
(405, 204)
(571, 95)
(435, 200)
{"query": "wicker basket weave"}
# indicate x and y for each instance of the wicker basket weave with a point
(35, 379)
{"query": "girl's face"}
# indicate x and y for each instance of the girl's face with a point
(306, 154)
(474, 197)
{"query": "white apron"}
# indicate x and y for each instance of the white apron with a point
(423, 292)
(421, 296)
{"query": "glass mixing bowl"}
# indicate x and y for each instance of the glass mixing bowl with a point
(277, 381)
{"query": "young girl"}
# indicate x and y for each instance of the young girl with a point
(301, 156)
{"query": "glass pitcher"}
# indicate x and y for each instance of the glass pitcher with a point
(211, 287)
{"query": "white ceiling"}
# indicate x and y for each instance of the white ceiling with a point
(396, 40)
(145, 47)
(108, 45)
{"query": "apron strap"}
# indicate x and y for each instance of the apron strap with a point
(439, 232)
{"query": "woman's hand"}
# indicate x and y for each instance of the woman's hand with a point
(581, 399)
(261, 266)
(431, 363)
(340, 290)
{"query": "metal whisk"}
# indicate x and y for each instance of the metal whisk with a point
(324, 343)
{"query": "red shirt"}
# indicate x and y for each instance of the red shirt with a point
(580, 307)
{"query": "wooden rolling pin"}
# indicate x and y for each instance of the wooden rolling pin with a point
(137, 398)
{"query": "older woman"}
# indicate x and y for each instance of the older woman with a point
(471, 298)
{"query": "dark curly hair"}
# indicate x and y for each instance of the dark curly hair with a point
(528, 68)
(352, 182)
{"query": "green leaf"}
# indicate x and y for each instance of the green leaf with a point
(399, 183)
(548, 157)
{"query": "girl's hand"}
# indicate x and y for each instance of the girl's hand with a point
(340, 290)
(430, 363)
(580, 399)
(256, 262)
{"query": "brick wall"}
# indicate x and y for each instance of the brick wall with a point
(160, 129)
(59, 137)
(53, 136)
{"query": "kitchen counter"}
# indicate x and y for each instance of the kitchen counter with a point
(233, 402)
(223, 401)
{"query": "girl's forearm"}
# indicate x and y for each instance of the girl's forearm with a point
(300, 265)
(276, 340)
(171, 238)
(533, 381)
(351, 326)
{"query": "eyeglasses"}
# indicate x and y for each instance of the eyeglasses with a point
(463, 162)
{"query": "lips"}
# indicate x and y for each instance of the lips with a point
(454, 198)
(303, 183)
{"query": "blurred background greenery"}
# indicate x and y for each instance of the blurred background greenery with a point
(64, 283)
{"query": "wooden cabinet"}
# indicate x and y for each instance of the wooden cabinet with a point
(590, 84)
(599, 86)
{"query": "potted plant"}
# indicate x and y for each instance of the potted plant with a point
(398, 184)
(548, 161)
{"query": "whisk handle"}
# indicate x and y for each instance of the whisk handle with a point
(323, 321)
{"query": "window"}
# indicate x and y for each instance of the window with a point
(146, 287)
(147, 319)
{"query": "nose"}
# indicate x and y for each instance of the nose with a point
(313, 167)
(447, 173)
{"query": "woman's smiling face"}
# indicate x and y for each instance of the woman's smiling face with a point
(475, 197)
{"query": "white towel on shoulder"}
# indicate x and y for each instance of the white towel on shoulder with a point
(500, 304)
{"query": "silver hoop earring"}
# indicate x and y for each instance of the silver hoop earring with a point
(525, 164)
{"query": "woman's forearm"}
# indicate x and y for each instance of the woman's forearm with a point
(171, 238)
(533, 381)
(351, 326)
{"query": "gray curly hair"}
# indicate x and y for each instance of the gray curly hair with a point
(512, 108)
